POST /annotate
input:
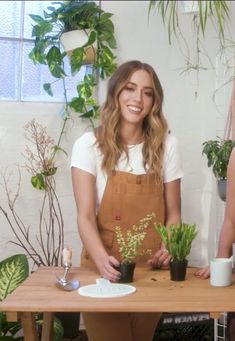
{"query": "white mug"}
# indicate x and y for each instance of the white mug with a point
(221, 272)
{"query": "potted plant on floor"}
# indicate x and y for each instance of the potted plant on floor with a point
(129, 243)
(13, 271)
(218, 152)
(177, 240)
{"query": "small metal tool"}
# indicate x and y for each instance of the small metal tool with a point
(64, 283)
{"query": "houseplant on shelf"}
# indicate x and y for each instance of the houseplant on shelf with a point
(177, 240)
(218, 152)
(129, 242)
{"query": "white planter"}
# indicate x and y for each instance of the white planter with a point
(189, 6)
(74, 39)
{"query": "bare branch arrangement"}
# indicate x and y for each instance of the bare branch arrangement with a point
(44, 244)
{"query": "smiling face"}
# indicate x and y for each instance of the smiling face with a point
(136, 98)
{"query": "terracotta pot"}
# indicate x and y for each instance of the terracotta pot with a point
(74, 39)
(127, 272)
(178, 270)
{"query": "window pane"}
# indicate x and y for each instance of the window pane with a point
(33, 7)
(10, 18)
(9, 56)
(34, 76)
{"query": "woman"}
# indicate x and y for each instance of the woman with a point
(227, 234)
(128, 167)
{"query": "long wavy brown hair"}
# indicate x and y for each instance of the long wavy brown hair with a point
(154, 125)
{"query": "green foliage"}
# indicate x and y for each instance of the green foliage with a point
(58, 330)
(130, 241)
(218, 153)
(13, 271)
(205, 14)
(47, 50)
(177, 239)
(169, 10)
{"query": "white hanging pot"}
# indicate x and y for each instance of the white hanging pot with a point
(74, 39)
(189, 6)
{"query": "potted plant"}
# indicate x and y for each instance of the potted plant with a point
(218, 152)
(76, 16)
(129, 243)
(13, 271)
(177, 240)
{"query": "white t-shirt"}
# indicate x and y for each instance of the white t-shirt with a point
(87, 156)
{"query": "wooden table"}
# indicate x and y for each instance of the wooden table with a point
(155, 293)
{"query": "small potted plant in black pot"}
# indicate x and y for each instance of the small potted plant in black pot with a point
(129, 242)
(177, 240)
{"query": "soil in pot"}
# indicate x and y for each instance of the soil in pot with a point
(178, 270)
(127, 272)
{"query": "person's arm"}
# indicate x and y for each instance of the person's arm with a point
(227, 234)
(172, 201)
(85, 196)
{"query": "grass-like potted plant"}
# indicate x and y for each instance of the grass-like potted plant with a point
(177, 240)
(129, 243)
(218, 152)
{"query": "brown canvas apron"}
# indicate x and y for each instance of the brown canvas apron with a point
(127, 199)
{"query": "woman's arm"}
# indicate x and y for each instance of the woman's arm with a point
(172, 201)
(227, 234)
(85, 197)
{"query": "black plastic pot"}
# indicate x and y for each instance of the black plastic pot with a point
(178, 270)
(127, 272)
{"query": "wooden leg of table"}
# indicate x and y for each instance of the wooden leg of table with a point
(29, 326)
(47, 326)
(214, 315)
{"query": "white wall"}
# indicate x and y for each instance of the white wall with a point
(191, 120)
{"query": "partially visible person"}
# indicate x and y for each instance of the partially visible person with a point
(126, 168)
(227, 234)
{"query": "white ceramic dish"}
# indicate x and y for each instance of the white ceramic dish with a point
(105, 289)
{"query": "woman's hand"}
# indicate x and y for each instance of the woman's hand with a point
(203, 273)
(107, 269)
(161, 259)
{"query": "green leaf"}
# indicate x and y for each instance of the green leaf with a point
(50, 172)
(77, 104)
(47, 88)
(13, 271)
(37, 181)
(76, 59)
